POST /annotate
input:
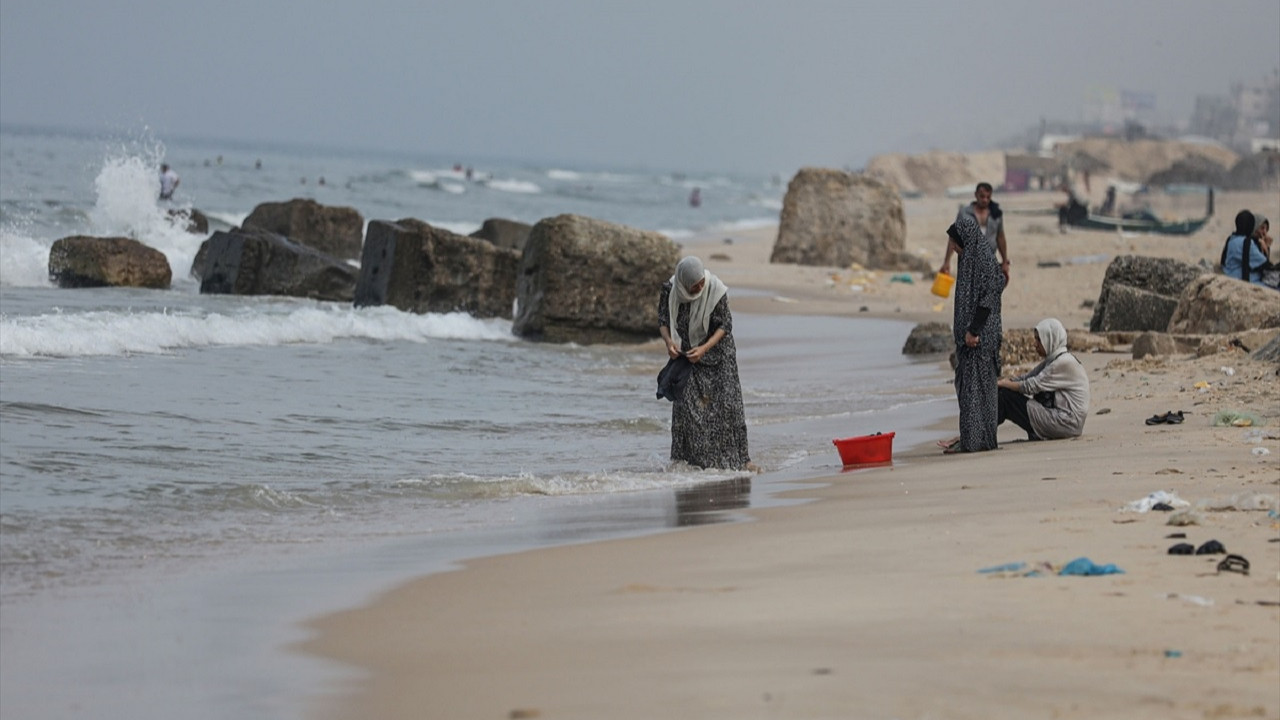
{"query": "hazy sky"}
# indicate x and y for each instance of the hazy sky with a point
(762, 85)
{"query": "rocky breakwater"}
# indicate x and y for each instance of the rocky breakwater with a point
(82, 261)
(590, 281)
(256, 262)
(838, 219)
(332, 230)
(416, 267)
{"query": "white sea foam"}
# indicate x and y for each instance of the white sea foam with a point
(575, 176)
(514, 186)
(460, 228)
(229, 219)
(124, 333)
(24, 261)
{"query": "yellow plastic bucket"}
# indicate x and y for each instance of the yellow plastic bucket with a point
(942, 283)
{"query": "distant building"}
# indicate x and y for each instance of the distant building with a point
(1247, 113)
(1110, 110)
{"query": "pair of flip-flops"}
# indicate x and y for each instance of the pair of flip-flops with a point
(1169, 418)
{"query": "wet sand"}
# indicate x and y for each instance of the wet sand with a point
(868, 601)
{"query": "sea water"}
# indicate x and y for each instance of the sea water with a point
(184, 477)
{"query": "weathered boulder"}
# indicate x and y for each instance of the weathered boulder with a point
(929, 338)
(255, 262)
(834, 218)
(1220, 304)
(418, 268)
(1156, 344)
(1269, 352)
(1018, 347)
(335, 231)
(82, 261)
(502, 233)
(191, 219)
(590, 281)
(1140, 293)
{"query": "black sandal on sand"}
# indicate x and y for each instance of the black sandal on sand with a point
(1170, 418)
(1234, 563)
(948, 444)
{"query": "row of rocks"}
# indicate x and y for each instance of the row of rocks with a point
(567, 278)
(1165, 295)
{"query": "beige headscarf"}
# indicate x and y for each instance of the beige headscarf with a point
(1053, 336)
(688, 272)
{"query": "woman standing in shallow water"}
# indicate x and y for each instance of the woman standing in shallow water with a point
(978, 334)
(708, 423)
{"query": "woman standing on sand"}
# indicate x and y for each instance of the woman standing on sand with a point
(978, 334)
(708, 424)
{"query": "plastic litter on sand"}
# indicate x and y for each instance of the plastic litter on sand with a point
(1155, 498)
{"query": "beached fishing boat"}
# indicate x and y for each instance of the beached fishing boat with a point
(1144, 222)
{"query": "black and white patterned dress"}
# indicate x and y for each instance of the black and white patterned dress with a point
(708, 423)
(979, 284)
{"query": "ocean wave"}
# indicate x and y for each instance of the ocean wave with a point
(577, 176)
(514, 186)
(165, 331)
(24, 260)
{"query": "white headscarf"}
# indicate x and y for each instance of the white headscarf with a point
(688, 272)
(1053, 336)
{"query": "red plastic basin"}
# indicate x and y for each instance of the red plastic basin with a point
(865, 449)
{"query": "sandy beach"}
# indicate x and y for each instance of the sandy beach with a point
(868, 600)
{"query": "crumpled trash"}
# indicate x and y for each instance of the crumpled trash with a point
(1228, 371)
(1149, 502)
(1233, 418)
(1085, 566)
(1193, 599)
(1241, 501)
(1259, 450)
(1007, 567)
(902, 278)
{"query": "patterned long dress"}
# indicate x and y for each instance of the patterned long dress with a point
(708, 423)
(978, 284)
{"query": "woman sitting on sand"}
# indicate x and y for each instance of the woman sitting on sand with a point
(708, 423)
(1052, 400)
(978, 334)
(1244, 256)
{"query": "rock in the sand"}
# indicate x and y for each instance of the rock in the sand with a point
(589, 281)
(502, 233)
(1155, 344)
(929, 338)
(1269, 352)
(835, 218)
(1018, 347)
(1219, 304)
(81, 261)
(335, 231)
(419, 268)
(1140, 293)
(256, 262)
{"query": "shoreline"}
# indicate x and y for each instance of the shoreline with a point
(868, 591)
(862, 595)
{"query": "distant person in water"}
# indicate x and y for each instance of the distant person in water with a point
(695, 198)
(168, 182)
